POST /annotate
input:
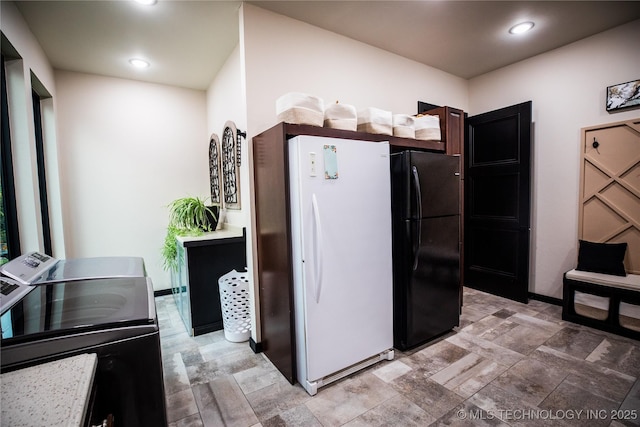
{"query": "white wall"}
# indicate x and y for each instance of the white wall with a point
(34, 62)
(16, 30)
(567, 87)
(284, 55)
(226, 102)
(127, 149)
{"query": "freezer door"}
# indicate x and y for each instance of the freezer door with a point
(432, 298)
(434, 184)
(340, 202)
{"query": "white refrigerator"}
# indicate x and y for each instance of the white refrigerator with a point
(341, 240)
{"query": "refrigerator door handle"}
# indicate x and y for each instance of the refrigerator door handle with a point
(318, 248)
(418, 237)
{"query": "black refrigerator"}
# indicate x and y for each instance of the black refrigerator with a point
(425, 191)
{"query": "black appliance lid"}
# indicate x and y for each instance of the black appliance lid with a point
(66, 270)
(66, 308)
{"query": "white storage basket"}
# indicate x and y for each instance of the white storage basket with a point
(403, 126)
(375, 120)
(300, 109)
(341, 116)
(428, 127)
(234, 300)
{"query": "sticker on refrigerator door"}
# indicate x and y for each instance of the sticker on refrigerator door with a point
(330, 162)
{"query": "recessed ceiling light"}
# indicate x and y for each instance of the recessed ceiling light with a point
(522, 27)
(139, 63)
(147, 2)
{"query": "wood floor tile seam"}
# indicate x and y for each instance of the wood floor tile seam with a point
(486, 348)
(589, 367)
(362, 414)
(607, 396)
(497, 384)
(503, 413)
(464, 366)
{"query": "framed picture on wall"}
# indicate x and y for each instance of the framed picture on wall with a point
(623, 96)
(214, 169)
(230, 166)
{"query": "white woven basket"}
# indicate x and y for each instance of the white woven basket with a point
(234, 300)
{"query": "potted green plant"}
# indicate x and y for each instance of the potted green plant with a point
(188, 216)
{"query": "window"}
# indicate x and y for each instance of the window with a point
(9, 237)
(42, 177)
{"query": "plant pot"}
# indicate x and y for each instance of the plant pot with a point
(213, 220)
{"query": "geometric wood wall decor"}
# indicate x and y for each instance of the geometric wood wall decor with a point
(610, 187)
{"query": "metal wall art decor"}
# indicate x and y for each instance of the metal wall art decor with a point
(214, 169)
(230, 157)
(623, 96)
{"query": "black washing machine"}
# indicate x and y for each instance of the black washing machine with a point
(114, 318)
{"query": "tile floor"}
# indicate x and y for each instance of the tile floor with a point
(508, 364)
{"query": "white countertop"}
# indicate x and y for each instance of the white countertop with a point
(227, 232)
(51, 394)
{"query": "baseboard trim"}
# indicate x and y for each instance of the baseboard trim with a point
(162, 292)
(544, 298)
(255, 346)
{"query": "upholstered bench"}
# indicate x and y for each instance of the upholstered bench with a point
(603, 301)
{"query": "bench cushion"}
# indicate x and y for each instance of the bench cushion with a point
(630, 281)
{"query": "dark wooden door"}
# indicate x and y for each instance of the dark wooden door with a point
(497, 201)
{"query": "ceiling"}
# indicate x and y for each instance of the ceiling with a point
(188, 41)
